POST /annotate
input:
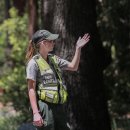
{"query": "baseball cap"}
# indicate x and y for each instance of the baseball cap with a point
(43, 35)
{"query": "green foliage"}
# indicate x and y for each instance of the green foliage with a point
(10, 123)
(114, 21)
(16, 29)
(13, 42)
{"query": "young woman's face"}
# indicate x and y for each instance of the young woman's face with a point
(48, 45)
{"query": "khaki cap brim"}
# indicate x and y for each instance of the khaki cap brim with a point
(52, 37)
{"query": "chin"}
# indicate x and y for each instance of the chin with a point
(51, 50)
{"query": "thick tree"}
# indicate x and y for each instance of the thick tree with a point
(87, 96)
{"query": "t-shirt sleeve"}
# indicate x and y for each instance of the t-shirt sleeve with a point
(31, 70)
(62, 63)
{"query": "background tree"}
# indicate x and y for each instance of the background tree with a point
(114, 21)
(20, 6)
(72, 19)
(33, 18)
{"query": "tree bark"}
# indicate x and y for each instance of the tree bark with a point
(48, 13)
(33, 20)
(87, 105)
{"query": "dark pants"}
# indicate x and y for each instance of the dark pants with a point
(54, 116)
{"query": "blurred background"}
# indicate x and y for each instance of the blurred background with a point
(99, 92)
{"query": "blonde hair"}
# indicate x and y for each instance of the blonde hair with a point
(32, 49)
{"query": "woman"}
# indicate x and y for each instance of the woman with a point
(46, 89)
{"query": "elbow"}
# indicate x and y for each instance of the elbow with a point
(72, 67)
(75, 69)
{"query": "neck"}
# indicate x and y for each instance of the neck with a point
(44, 55)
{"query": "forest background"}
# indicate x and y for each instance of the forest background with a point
(102, 83)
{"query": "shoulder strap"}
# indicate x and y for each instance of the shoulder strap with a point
(42, 64)
(54, 64)
(57, 73)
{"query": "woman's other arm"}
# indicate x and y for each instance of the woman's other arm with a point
(37, 119)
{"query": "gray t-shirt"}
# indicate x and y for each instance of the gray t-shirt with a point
(32, 71)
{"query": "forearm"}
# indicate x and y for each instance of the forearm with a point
(76, 59)
(37, 119)
(33, 100)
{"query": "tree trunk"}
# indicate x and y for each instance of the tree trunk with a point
(7, 15)
(33, 20)
(20, 5)
(48, 13)
(7, 7)
(87, 105)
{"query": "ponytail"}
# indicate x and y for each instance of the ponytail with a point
(30, 51)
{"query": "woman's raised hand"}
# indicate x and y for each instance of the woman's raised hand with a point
(82, 41)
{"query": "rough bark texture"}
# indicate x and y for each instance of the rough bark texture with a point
(48, 13)
(87, 105)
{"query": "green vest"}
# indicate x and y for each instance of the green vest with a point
(50, 90)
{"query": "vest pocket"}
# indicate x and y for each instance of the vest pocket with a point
(49, 96)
